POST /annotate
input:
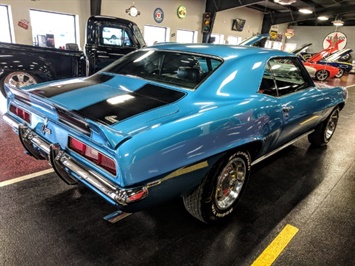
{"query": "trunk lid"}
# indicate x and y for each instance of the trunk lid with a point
(115, 106)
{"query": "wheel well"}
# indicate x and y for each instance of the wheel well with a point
(37, 74)
(341, 106)
(322, 70)
(253, 148)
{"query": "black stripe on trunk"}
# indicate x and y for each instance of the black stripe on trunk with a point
(146, 98)
(52, 91)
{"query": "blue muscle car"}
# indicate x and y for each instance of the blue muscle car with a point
(174, 120)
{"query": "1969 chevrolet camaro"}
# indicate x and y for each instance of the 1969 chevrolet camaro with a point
(174, 120)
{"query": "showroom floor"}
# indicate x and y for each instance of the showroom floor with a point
(46, 222)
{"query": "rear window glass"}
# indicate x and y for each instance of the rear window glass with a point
(173, 68)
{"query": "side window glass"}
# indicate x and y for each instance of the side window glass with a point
(282, 76)
(287, 75)
(267, 85)
(115, 37)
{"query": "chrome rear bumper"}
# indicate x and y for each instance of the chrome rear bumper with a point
(69, 169)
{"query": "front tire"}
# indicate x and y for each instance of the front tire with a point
(17, 79)
(322, 75)
(216, 197)
(324, 131)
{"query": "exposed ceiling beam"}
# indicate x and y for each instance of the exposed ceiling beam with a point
(220, 5)
(295, 16)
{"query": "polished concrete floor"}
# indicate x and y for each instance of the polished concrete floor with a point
(45, 222)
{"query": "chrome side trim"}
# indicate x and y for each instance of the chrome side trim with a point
(178, 172)
(280, 148)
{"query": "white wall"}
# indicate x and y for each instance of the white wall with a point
(223, 22)
(193, 20)
(21, 10)
(316, 35)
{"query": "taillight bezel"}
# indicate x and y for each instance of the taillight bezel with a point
(21, 113)
(100, 156)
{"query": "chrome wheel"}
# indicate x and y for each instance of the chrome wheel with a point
(331, 125)
(340, 73)
(19, 79)
(322, 75)
(221, 189)
(230, 183)
(325, 131)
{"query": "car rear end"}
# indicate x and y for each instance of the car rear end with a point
(78, 150)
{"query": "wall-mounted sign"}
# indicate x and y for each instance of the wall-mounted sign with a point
(158, 15)
(133, 11)
(23, 23)
(335, 39)
(181, 12)
(289, 33)
(273, 35)
(238, 24)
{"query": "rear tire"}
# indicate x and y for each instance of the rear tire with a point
(324, 131)
(216, 197)
(17, 79)
(340, 73)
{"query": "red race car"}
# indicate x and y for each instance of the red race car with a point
(320, 55)
(322, 71)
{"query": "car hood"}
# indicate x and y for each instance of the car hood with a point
(301, 49)
(335, 56)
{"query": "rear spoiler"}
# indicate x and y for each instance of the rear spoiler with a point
(71, 118)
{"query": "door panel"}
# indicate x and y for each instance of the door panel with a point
(299, 100)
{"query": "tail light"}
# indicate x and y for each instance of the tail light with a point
(20, 113)
(93, 155)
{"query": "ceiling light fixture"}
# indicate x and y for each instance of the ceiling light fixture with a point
(285, 2)
(323, 18)
(338, 23)
(305, 11)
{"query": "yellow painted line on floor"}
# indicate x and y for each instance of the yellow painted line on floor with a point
(275, 248)
(25, 177)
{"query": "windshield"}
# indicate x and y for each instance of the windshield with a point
(169, 67)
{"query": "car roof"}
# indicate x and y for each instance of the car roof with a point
(219, 50)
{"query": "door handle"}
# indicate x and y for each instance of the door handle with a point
(287, 108)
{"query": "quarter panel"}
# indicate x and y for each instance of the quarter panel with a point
(193, 138)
